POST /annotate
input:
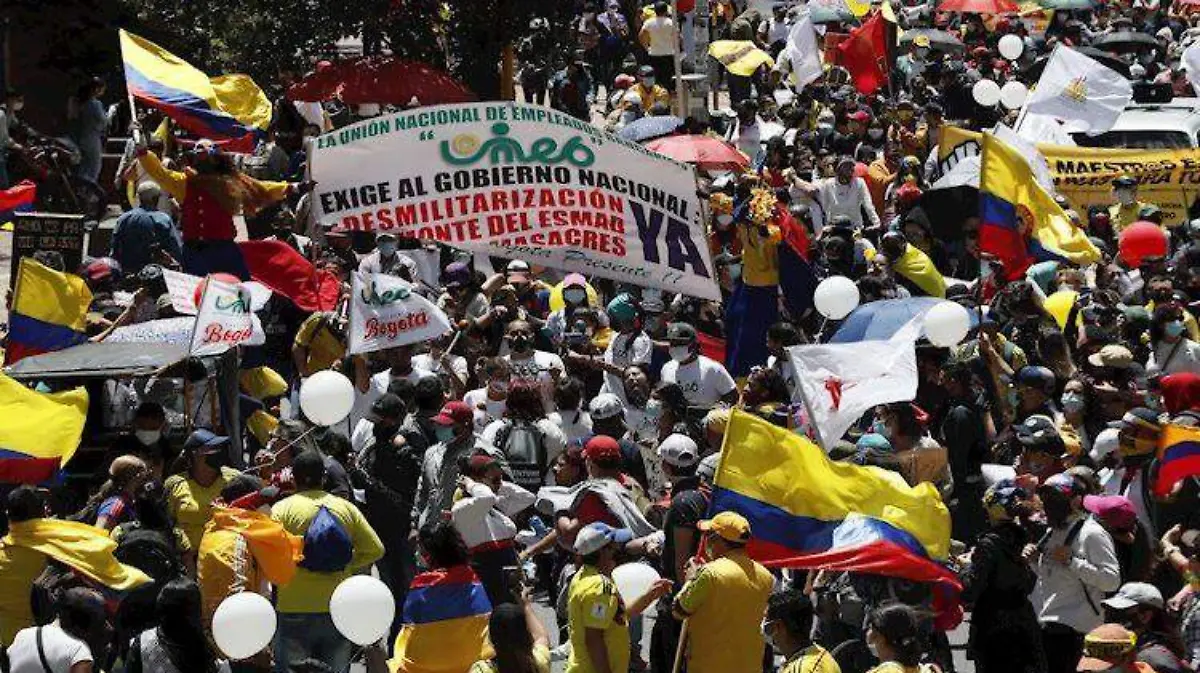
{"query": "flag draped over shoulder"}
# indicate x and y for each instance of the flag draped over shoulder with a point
(275, 550)
(806, 511)
(226, 108)
(39, 432)
(85, 549)
(1178, 457)
(865, 55)
(49, 311)
(1020, 223)
(915, 266)
(445, 623)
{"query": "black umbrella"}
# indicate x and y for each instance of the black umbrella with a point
(1109, 59)
(1125, 41)
(938, 39)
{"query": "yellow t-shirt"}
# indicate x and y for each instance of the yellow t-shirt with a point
(593, 603)
(19, 567)
(726, 601)
(310, 591)
(760, 255)
(541, 662)
(191, 503)
(324, 349)
(814, 659)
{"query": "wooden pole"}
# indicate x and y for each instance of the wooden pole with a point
(679, 649)
(507, 70)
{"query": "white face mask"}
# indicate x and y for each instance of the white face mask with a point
(724, 220)
(147, 437)
(680, 353)
(575, 296)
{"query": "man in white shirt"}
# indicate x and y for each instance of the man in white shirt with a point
(843, 194)
(658, 36)
(704, 382)
(774, 31)
(387, 259)
(525, 362)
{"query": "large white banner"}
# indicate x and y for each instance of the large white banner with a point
(224, 319)
(522, 182)
(386, 312)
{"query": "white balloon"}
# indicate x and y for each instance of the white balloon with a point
(633, 580)
(1011, 47)
(946, 324)
(362, 609)
(326, 397)
(836, 297)
(1013, 94)
(243, 624)
(986, 92)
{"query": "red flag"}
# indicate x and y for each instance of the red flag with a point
(864, 54)
(792, 232)
(280, 267)
(711, 347)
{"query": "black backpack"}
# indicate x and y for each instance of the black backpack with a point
(151, 551)
(524, 445)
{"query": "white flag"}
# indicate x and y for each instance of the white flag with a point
(840, 382)
(1191, 64)
(385, 312)
(224, 319)
(1082, 92)
(803, 51)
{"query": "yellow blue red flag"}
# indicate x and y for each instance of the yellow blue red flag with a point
(49, 311)
(40, 431)
(86, 549)
(445, 623)
(226, 108)
(1178, 457)
(806, 511)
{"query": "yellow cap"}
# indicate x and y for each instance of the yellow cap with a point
(921, 41)
(729, 525)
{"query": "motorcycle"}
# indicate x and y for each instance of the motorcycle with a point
(52, 163)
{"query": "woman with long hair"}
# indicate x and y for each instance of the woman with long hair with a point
(113, 503)
(519, 639)
(178, 643)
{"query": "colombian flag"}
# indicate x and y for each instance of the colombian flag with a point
(1008, 194)
(49, 311)
(227, 108)
(1178, 457)
(806, 511)
(86, 549)
(40, 432)
(275, 550)
(445, 623)
(17, 199)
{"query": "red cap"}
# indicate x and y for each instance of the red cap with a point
(908, 193)
(454, 413)
(859, 116)
(602, 447)
(481, 462)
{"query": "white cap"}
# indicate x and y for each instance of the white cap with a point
(679, 451)
(708, 468)
(605, 406)
(1105, 444)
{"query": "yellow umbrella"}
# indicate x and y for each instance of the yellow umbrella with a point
(740, 57)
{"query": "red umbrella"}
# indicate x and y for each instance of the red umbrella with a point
(384, 80)
(979, 6)
(704, 151)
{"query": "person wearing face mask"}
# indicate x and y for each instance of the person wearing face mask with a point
(913, 63)
(787, 628)
(1137, 447)
(490, 401)
(630, 346)
(1172, 351)
(202, 475)
(1076, 564)
(386, 259)
(1074, 403)
(1127, 208)
(705, 382)
(147, 439)
(844, 194)
(576, 294)
(1041, 447)
(440, 465)
(530, 364)
(647, 90)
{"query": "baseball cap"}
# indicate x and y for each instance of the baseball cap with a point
(681, 333)
(205, 441)
(596, 536)
(605, 406)
(388, 406)
(1035, 430)
(921, 41)
(1139, 417)
(574, 280)
(385, 235)
(482, 461)
(456, 274)
(602, 447)
(1035, 376)
(1114, 356)
(679, 451)
(1116, 511)
(1124, 181)
(1132, 594)
(517, 270)
(1062, 483)
(1105, 646)
(707, 470)
(729, 525)
(454, 413)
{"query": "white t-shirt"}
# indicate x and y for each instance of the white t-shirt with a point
(537, 368)
(493, 409)
(704, 381)
(625, 350)
(62, 650)
(849, 200)
(662, 36)
(574, 424)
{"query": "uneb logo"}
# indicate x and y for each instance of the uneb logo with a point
(465, 149)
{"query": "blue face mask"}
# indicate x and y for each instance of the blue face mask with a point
(881, 428)
(445, 433)
(1174, 328)
(387, 248)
